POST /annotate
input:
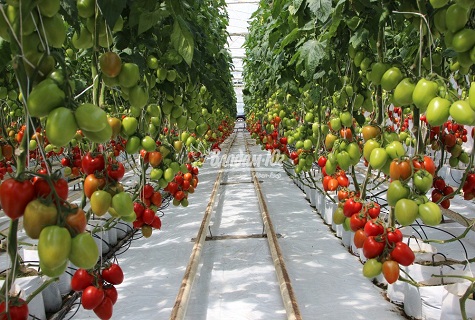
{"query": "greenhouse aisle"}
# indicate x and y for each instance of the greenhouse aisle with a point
(236, 278)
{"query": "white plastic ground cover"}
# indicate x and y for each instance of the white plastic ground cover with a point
(326, 278)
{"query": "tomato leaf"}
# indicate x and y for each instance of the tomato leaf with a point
(291, 37)
(321, 8)
(149, 19)
(297, 4)
(182, 40)
(69, 12)
(311, 53)
(5, 54)
(111, 10)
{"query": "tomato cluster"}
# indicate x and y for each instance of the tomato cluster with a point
(441, 190)
(97, 287)
(145, 210)
(450, 136)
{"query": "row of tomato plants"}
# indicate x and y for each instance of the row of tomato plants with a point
(388, 86)
(88, 89)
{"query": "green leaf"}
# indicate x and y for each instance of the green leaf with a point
(111, 10)
(148, 20)
(321, 8)
(360, 36)
(297, 4)
(291, 37)
(70, 13)
(5, 54)
(311, 53)
(182, 40)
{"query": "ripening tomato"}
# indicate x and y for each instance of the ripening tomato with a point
(426, 163)
(110, 64)
(400, 170)
(38, 215)
(372, 268)
(76, 221)
(359, 238)
(390, 271)
(92, 184)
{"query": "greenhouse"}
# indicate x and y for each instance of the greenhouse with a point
(237, 159)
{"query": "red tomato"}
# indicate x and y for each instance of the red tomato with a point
(157, 198)
(426, 163)
(343, 181)
(325, 181)
(139, 209)
(393, 235)
(148, 216)
(111, 293)
(113, 274)
(322, 161)
(81, 280)
(351, 207)
(17, 309)
(91, 163)
(403, 254)
(115, 170)
(91, 297)
(373, 227)
(156, 223)
(373, 247)
(357, 221)
(15, 195)
(374, 209)
(43, 190)
(147, 191)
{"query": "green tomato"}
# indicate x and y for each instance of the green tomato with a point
(391, 78)
(396, 191)
(100, 202)
(422, 181)
(122, 203)
(346, 119)
(438, 111)
(90, 117)
(403, 92)
(406, 211)
(84, 251)
(343, 159)
(378, 158)
(129, 75)
(338, 216)
(462, 113)
(354, 152)
(138, 96)
(148, 143)
(471, 96)
(335, 123)
(372, 268)
(54, 246)
(169, 174)
(423, 93)
(368, 148)
(307, 144)
(133, 145)
(456, 17)
(60, 126)
(100, 136)
(44, 97)
(395, 149)
(463, 40)
(430, 213)
(436, 4)
(377, 71)
(129, 125)
(330, 167)
(156, 174)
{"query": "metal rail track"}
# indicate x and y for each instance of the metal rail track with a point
(285, 285)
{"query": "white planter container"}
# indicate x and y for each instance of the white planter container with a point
(112, 236)
(313, 198)
(52, 298)
(101, 236)
(347, 238)
(307, 192)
